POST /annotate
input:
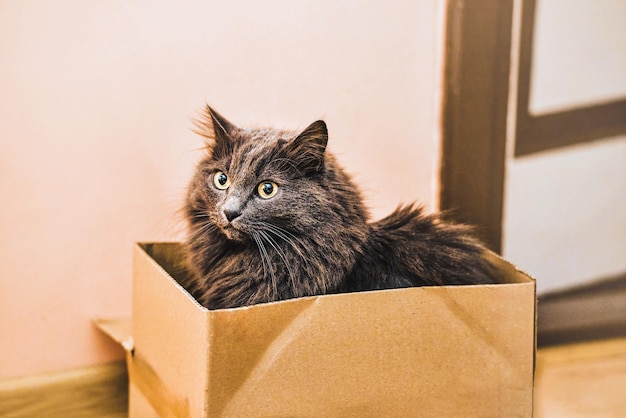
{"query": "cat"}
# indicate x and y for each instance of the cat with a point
(271, 215)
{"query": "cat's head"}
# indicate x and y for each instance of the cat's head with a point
(262, 181)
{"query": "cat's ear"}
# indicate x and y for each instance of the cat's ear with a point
(307, 149)
(218, 131)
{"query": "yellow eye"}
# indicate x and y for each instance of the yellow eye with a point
(221, 180)
(267, 189)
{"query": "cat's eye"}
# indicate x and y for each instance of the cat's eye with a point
(267, 189)
(221, 180)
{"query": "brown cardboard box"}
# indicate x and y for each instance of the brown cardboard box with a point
(450, 351)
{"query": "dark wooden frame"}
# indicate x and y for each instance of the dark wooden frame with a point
(475, 105)
(476, 90)
(536, 133)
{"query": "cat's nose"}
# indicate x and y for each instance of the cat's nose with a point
(231, 214)
(231, 208)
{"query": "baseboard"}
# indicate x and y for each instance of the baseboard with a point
(592, 312)
(97, 391)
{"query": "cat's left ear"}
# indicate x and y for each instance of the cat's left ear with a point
(308, 148)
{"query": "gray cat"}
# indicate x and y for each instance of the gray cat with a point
(273, 216)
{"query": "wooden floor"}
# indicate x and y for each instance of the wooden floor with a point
(99, 391)
(582, 380)
(574, 380)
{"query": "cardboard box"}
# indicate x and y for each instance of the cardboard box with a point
(449, 351)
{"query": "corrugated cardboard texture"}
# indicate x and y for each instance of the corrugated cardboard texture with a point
(432, 351)
(171, 334)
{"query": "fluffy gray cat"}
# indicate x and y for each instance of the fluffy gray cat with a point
(273, 216)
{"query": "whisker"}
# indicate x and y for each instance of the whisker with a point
(265, 255)
(280, 230)
(204, 228)
(259, 244)
(281, 254)
(284, 235)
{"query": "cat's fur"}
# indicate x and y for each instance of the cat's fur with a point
(313, 237)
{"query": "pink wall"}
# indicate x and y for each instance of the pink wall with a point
(96, 101)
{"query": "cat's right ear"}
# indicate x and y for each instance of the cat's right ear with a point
(307, 149)
(218, 131)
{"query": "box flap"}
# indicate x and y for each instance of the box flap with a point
(141, 374)
(119, 329)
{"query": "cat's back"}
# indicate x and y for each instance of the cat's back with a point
(411, 248)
